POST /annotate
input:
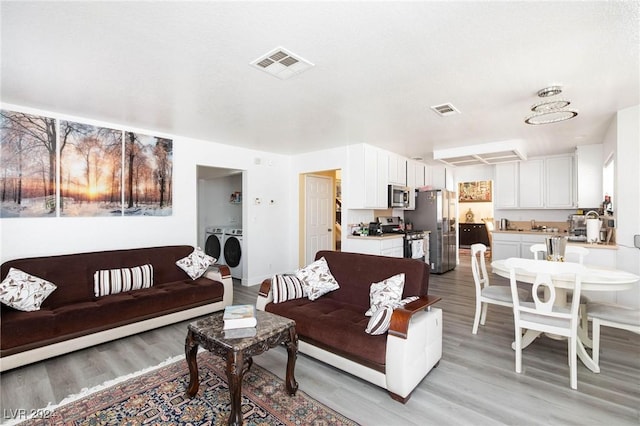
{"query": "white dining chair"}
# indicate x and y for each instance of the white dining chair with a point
(571, 254)
(610, 315)
(545, 315)
(486, 293)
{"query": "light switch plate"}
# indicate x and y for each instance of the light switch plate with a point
(636, 241)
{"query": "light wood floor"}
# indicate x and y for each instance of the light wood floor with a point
(474, 384)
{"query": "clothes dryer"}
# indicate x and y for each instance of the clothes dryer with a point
(233, 251)
(214, 243)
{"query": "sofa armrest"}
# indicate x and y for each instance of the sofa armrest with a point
(265, 294)
(221, 273)
(402, 316)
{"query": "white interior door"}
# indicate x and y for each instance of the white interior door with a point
(318, 215)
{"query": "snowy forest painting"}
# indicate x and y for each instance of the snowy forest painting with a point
(28, 165)
(148, 167)
(90, 170)
(100, 171)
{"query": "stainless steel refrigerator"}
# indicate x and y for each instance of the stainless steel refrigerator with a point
(436, 212)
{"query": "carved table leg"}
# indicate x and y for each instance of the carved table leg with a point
(190, 351)
(235, 369)
(292, 353)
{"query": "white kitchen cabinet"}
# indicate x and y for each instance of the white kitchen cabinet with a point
(415, 174)
(506, 186)
(397, 169)
(535, 184)
(531, 184)
(589, 165)
(441, 177)
(381, 246)
(559, 182)
(504, 246)
(367, 177)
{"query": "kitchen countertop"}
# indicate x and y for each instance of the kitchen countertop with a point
(376, 237)
(610, 246)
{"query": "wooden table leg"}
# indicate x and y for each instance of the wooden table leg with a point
(292, 354)
(191, 352)
(235, 369)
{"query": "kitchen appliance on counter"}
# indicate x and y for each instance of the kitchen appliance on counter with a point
(436, 212)
(398, 196)
(390, 225)
(504, 224)
(577, 228)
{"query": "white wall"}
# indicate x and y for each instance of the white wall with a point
(266, 241)
(627, 194)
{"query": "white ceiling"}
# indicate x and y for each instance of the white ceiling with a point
(183, 68)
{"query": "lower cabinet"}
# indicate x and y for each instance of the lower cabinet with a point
(471, 233)
(381, 246)
(514, 245)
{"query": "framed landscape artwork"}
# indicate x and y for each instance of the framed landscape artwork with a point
(100, 171)
(478, 191)
(27, 165)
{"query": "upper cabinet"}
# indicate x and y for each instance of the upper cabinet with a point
(397, 169)
(506, 186)
(368, 177)
(415, 174)
(559, 174)
(536, 184)
(589, 166)
(531, 184)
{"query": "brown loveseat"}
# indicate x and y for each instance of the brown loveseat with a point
(332, 328)
(72, 317)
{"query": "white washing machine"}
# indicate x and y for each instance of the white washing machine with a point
(233, 251)
(214, 243)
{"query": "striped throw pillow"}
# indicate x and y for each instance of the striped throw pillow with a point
(112, 281)
(381, 319)
(287, 287)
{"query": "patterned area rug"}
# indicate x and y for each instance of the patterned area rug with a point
(158, 397)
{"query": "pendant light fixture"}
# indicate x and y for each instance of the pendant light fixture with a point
(550, 110)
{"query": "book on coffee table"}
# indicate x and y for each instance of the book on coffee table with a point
(239, 316)
(240, 333)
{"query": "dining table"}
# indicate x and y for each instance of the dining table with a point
(595, 278)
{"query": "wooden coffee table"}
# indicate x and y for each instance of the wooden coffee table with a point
(271, 331)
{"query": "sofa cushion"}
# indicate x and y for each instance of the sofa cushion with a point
(23, 291)
(28, 330)
(112, 281)
(287, 287)
(317, 279)
(336, 326)
(385, 293)
(380, 321)
(196, 264)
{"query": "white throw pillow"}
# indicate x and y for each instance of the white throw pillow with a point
(287, 287)
(381, 319)
(196, 264)
(23, 291)
(317, 279)
(385, 292)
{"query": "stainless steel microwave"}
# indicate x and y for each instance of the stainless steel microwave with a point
(399, 196)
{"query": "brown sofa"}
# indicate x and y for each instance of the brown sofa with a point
(72, 317)
(332, 328)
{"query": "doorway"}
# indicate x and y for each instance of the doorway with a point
(320, 213)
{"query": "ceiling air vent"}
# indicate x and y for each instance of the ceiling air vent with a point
(281, 63)
(445, 110)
